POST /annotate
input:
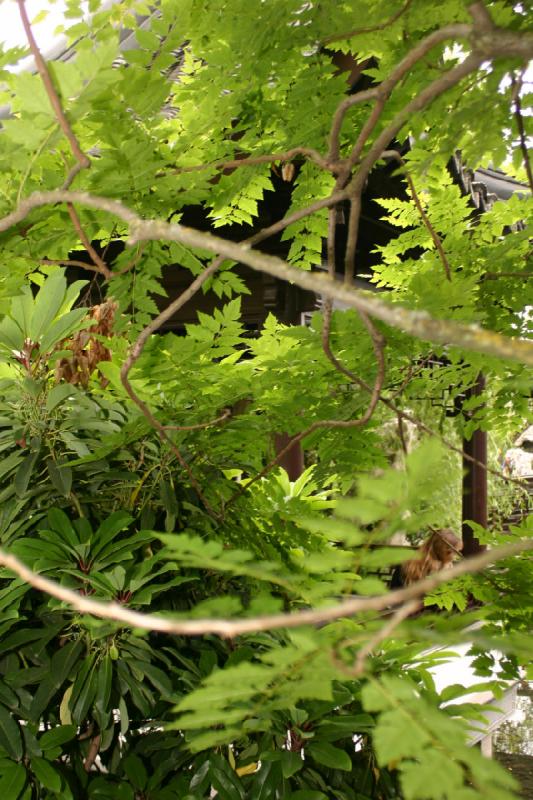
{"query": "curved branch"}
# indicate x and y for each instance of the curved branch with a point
(399, 616)
(82, 159)
(517, 86)
(69, 262)
(98, 262)
(371, 28)
(381, 93)
(135, 353)
(378, 343)
(267, 158)
(230, 628)
(415, 323)
(420, 208)
(226, 414)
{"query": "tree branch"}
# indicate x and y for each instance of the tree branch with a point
(416, 323)
(226, 414)
(382, 92)
(517, 85)
(381, 634)
(94, 748)
(494, 276)
(135, 353)
(231, 628)
(82, 159)
(371, 28)
(424, 217)
(69, 262)
(267, 158)
(99, 264)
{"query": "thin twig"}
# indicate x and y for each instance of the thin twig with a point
(132, 263)
(94, 748)
(135, 353)
(100, 265)
(321, 424)
(82, 159)
(267, 158)
(424, 217)
(516, 84)
(378, 343)
(351, 238)
(401, 435)
(449, 445)
(226, 414)
(279, 226)
(236, 627)
(340, 113)
(69, 262)
(383, 633)
(494, 276)
(371, 28)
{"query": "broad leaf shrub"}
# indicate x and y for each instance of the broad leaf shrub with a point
(93, 498)
(93, 709)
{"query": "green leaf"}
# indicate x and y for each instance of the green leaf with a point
(12, 780)
(84, 690)
(47, 304)
(291, 763)
(10, 736)
(58, 394)
(46, 774)
(324, 753)
(61, 666)
(60, 476)
(64, 327)
(136, 771)
(57, 736)
(24, 473)
(105, 677)
(108, 530)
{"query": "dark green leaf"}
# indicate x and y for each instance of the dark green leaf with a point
(10, 736)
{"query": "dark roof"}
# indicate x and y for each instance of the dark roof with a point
(484, 184)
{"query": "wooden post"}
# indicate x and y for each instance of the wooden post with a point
(475, 506)
(293, 460)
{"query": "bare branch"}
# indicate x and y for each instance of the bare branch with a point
(381, 634)
(82, 159)
(135, 353)
(94, 748)
(100, 265)
(340, 113)
(370, 29)
(416, 323)
(69, 262)
(231, 628)
(267, 158)
(517, 86)
(315, 426)
(424, 217)
(494, 276)
(351, 238)
(382, 92)
(296, 216)
(404, 415)
(481, 16)
(226, 414)
(378, 343)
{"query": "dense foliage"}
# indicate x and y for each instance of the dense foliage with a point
(157, 488)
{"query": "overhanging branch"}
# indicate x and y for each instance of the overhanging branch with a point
(230, 628)
(416, 323)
